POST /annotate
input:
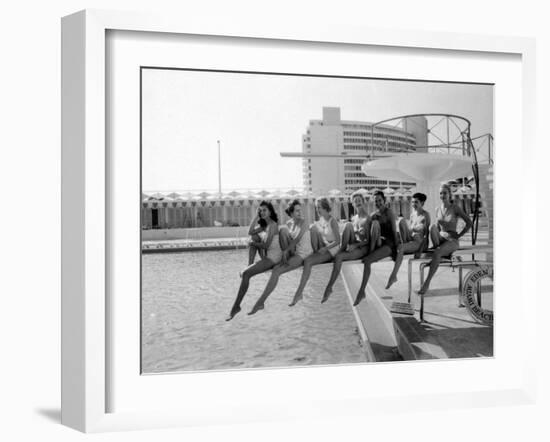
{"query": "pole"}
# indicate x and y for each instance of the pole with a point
(219, 170)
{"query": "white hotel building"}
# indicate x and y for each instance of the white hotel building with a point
(334, 136)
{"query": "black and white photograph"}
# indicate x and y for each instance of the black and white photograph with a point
(302, 220)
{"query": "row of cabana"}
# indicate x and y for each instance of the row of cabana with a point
(204, 199)
(175, 210)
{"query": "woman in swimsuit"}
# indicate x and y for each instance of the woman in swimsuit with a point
(445, 239)
(296, 245)
(413, 234)
(384, 238)
(355, 240)
(257, 235)
(273, 254)
(325, 240)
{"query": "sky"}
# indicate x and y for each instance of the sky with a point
(257, 116)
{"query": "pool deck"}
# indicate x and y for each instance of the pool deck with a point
(448, 331)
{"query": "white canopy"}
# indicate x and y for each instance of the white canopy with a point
(419, 167)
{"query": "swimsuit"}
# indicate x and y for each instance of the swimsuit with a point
(359, 227)
(274, 252)
(414, 225)
(447, 223)
(386, 231)
(327, 234)
(303, 247)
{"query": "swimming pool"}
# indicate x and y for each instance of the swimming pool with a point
(187, 296)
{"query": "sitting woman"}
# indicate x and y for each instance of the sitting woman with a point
(325, 240)
(445, 239)
(257, 232)
(413, 234)
(272, 257)
(384, 238)
(295, 242)
(355, 240)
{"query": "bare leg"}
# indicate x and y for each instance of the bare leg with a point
(293, 263)
(375, 240)
(377, 255)
(348, 237)
(434, 236)
(309, 262)
(338, 261)
(404, 231)
(316, 239)
(445, 249)
(259, 267)
(284, 237)
(402, 249)
(252, 249)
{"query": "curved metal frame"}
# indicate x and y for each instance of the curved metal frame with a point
(471, 152)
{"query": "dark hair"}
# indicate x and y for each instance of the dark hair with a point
(324, 203)
(379, 193)
(290, 209)
(272, 213)
(420, 197)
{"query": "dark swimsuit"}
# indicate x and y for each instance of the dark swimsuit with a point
(386, 232)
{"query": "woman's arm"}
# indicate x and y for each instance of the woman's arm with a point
(366, 235)
(271, 230)
(298, 238)
(468, 222)
(254, 228)
(420, 225)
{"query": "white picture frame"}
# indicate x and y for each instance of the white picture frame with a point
(85, 211)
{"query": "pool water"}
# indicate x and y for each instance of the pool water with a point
(187, 296)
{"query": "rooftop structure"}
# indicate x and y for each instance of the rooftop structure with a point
(333, 138)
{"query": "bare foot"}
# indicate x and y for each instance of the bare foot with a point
(295, 301)
(256, 309)
(391, 281)
(328, 292)
(360, 296)
(233, 313)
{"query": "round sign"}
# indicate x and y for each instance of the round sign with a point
(469, 292)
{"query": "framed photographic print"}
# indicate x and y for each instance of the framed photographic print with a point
(251, 213)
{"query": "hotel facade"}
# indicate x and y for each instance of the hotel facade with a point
(335, 138)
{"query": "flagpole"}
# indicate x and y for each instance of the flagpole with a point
(219, 170)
